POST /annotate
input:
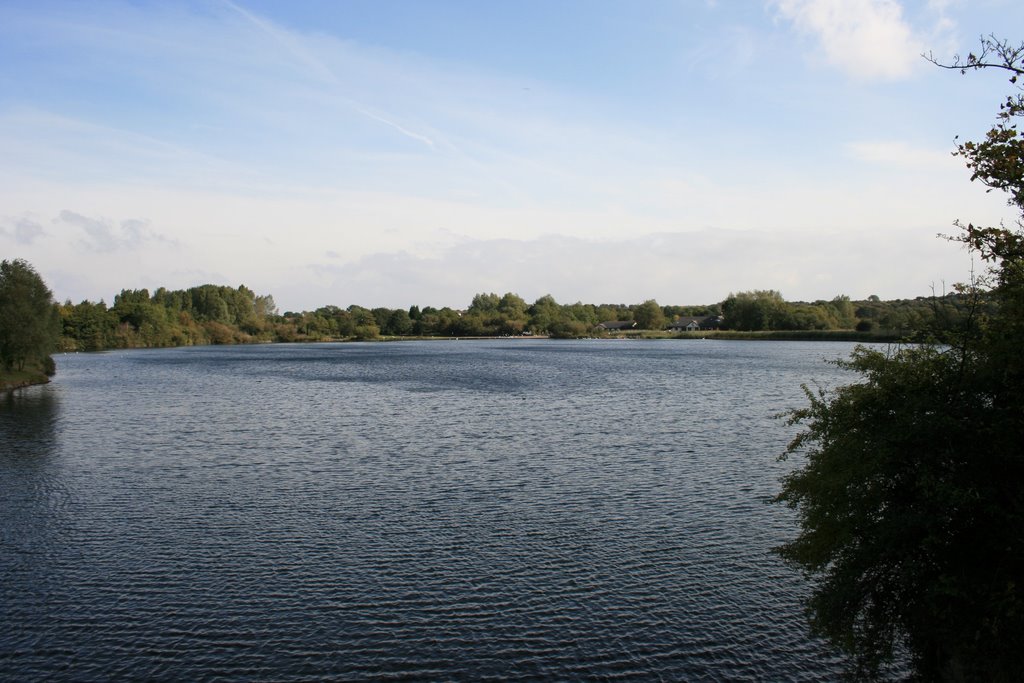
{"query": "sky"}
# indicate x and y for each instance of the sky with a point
(401, 152)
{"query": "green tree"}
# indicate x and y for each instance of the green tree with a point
(911, 497)
(757, 310)
(364, 323)
(649, 316)
(512, 306)
(583, 313)
(30, 322)
(568, 329)
(544, 312)
(512, 316)
(398, 323)
(264, 306)
(88, 326)
(484, 303)
(845, 313)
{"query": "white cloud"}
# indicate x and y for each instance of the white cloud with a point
(103, 235)
(697, 267)
(900, 154)
(263, 148)
(24, 230)
(868, 39)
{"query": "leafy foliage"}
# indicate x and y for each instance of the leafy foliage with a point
(212, 314)
(910, 510)
(911, 498)
(207, 314)
(649, 316)
(29, 323)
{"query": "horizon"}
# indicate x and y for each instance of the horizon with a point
(409, 153)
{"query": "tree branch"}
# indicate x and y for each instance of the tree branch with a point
(1004, 56)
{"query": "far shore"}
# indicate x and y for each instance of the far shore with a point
(729, 335)
(634, 335)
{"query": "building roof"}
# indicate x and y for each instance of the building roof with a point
(701, 321)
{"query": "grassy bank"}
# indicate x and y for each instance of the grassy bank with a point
(32, 374)
(765, 335)
(16, 379)
(772, 335)
(799, 335)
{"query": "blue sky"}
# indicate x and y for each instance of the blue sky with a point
(395, 152)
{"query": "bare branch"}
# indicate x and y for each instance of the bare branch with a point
(994, 54)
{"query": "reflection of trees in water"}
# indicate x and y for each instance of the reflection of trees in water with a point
(28, 419)
(34, 499)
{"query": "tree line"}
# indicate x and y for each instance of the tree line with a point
(214, 314)
(207, 314)
(32, 325)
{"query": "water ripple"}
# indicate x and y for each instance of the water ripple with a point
(434, 511)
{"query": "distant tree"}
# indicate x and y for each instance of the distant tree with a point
(364, 323)
(845, 313)
(512, 307)
(434, 322)
(606, 312)
(381, 315)
(207, 304)
(398, 323)
(809, 317)
(511, 317)
(649, 316)
(544, 312)
(583, 313)
(484, 303)
(366, 332)
(569, 329)
(756, 310)
(88, 326)
(30, 323)
(264, 306)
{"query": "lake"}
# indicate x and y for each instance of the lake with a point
(518, 509)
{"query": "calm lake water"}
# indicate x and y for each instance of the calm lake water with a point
(516, 509)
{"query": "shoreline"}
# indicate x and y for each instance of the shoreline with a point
(652, 336)
(9, 386)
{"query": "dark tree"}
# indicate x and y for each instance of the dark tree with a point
(911, 498)
(30, 323)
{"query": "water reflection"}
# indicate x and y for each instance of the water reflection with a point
(32, 495)
(28, 424)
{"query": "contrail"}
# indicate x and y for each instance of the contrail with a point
(404, 131)
(321, 70)
(287, 42)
